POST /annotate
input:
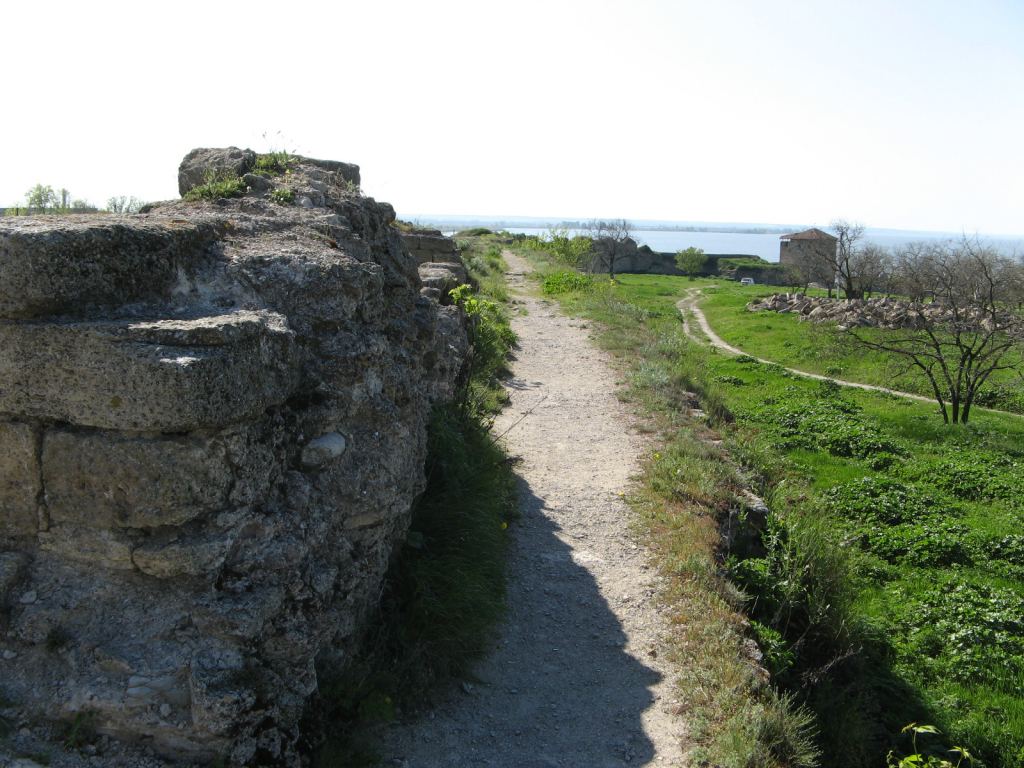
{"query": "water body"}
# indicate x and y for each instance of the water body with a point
(767, 245)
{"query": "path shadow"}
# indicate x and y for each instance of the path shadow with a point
(558, 689)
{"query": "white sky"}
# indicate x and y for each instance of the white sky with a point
(904, 113)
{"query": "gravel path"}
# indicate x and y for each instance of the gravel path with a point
(578, 676)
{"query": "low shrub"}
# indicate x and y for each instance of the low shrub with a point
(973, 476)
(932, 542)
(967, 632)
(881, 501)
(566, 281)
(283, 196)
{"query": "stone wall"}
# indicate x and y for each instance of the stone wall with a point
(429, 245)
(212, 430)
(440, 263)
(641, 260)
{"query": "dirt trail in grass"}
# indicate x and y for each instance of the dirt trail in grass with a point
(578, 676)
(688, 306)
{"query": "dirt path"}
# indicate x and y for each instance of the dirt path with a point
(688, 306)
(577, 678)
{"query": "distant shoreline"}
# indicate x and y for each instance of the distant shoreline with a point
(452, 222)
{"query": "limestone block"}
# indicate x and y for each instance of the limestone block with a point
(93, 547)
(202, 163)
(171, 375)
(19, 480)
(347, 171)
(60, 265)
(104, 480)
(194, 556)
(442, 276)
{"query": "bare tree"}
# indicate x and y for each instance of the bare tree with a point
(610, 241)
(871, 269)
(966, 332)
(910, 277)
(844, 263)
(122, 204)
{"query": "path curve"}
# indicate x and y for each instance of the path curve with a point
(578, 677)
(688, 304)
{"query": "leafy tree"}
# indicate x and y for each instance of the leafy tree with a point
(41, 197)
(570, 249)
(691, 261)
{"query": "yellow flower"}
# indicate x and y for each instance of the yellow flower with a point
(504, 525)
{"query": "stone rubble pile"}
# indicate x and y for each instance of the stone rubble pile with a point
(212, 430)
(882, 312)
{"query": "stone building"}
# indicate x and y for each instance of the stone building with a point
(808, 246)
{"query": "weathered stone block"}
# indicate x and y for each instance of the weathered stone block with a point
(104, 480)
(199, 165)
(186, 556)
(171, 375)
(92, 547)
(53, 266)
(19, 480)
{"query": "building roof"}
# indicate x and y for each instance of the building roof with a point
(809, 234)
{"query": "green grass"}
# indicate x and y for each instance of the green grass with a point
(482, 256)
(217, 186)
(273, 163)
(817, 348)
(887, 583)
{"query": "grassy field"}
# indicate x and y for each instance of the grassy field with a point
(807, 346)
(886, 584)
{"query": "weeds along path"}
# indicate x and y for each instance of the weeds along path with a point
(687, 306)
(577, 677)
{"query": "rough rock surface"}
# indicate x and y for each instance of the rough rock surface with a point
(883, 312)
(212, 429)
(428, 245)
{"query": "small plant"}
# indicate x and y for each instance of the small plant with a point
(81, 730)
(918, 760)
(283, 196)
(273, 163)
(217, 185)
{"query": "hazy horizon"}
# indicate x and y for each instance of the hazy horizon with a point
(900, 115)
(545, 221)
